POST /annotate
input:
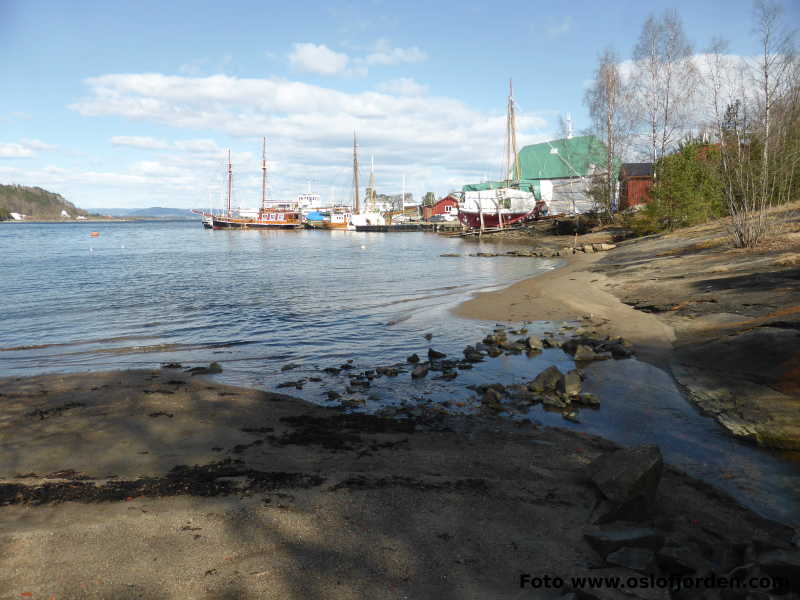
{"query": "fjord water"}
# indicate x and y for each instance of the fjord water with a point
(144, 293)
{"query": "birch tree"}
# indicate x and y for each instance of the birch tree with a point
(608, 100)
(756, 119)
(665, 78)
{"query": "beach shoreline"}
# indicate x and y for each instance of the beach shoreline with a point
(162, 483)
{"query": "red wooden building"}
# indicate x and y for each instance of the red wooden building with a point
(635, 181)
(446, 206)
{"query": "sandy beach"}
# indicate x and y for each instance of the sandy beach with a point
(160, 484)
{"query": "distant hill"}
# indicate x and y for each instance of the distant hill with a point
(35, 202)
(152, 212)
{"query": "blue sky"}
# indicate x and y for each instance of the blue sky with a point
(123, 104)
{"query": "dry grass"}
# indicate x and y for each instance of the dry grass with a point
(696, 247)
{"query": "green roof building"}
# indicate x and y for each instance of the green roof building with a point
(554, 171)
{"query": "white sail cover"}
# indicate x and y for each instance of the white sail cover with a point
(368, 218)
(515, 201)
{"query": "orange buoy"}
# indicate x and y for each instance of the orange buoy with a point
(94, 234)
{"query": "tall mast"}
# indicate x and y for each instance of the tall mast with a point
(230, 181)
(371, 187)
(263, 174)
(512, 160)
(356, 204)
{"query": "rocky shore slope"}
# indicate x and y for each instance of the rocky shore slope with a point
(725, 321)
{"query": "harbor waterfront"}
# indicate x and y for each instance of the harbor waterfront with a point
(275, 307)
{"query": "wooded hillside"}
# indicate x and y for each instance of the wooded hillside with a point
(34, 202)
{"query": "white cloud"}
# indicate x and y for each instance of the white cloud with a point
(25, 148)
(12, 150)
(385, 54)
(432, 140)
(558, 28)
(139, 142)
(37, 144)
(318, 59)
(404, 86)
(149, 143)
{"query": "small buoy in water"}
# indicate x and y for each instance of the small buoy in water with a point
(94, 234)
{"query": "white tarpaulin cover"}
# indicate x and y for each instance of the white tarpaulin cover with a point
(514, 200)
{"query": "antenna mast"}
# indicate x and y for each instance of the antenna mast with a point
(356, 204)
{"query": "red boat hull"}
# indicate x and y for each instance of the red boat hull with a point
(490, 220)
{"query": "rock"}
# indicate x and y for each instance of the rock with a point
(571, 416)
(333, 395)
(472, 355)
(492, 399)
(784, 564)
(549, 342)
(388, 371)
(289, 366)
(428, 336)
(534, 343)
(586, 399)
(490, 340)
(433, 354)
(547, 381)
(494, 352)
(628, 479)
(555, 401)
(419, 372)
(448, 375)
(171, 365)
(585, 353)
(636, 559)
(681, 560)
(570, 383)
(211, 369)
(610, 538)
(604, 247)
(448, 254)
(413, 359)
(587, 248)
(566, 251)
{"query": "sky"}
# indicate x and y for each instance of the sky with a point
(135, 104)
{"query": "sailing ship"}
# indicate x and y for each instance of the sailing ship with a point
(370, 214)
(270, 215)
(498, 205)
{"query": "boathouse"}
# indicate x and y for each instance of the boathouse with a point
(635, 182)
(558, 172)
(446, 206)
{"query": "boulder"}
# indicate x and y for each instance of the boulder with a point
(534, 343)
(413, 359)
(628, 481)
(434, 354)
(585, 353)
(570, 383)
(547, 381)
(588, 248)
(420, 371)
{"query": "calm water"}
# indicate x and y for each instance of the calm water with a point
(145, 293)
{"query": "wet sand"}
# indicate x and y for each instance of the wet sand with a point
(160, 484)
